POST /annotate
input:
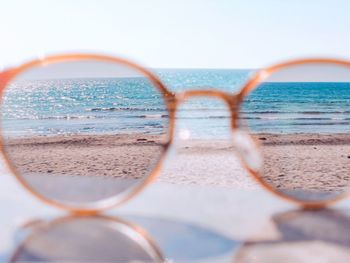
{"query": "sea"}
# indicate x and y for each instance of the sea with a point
(132, 105)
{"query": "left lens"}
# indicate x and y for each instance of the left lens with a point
(83, 132)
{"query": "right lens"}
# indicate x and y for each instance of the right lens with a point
(300, 115)
(80, 132)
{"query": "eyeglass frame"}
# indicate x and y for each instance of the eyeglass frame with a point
(173, 101)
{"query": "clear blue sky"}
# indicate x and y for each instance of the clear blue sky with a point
(177, 34)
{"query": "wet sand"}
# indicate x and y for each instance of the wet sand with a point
(295, 161)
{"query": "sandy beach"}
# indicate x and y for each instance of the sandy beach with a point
(291, 162)
(312, 161)
(123, 156)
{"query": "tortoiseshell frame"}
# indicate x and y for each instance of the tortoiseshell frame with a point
(172, 100)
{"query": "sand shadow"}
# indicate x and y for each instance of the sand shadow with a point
(183, 241)
(301, 236)
(111, 239)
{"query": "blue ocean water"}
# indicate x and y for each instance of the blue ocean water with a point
(132, 105)
(120, 105)
(298, 107)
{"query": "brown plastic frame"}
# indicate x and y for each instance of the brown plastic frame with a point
(43, 226)
(173, 101)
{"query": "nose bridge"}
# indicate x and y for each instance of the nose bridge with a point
(231, 100)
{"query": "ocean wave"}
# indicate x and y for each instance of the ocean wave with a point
(311, 112)
(164, 116)
(202, 117)
(68, 117)
(295, 112)
(124, 109)
(146, 116)
(316, 119)
(293, 118)
(320, 123)
(263, 112)
(153, 116)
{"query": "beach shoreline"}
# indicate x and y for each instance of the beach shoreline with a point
(291, 161)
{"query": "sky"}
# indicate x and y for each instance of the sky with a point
(176, 34)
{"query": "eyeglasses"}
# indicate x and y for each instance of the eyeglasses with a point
(88, 132)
